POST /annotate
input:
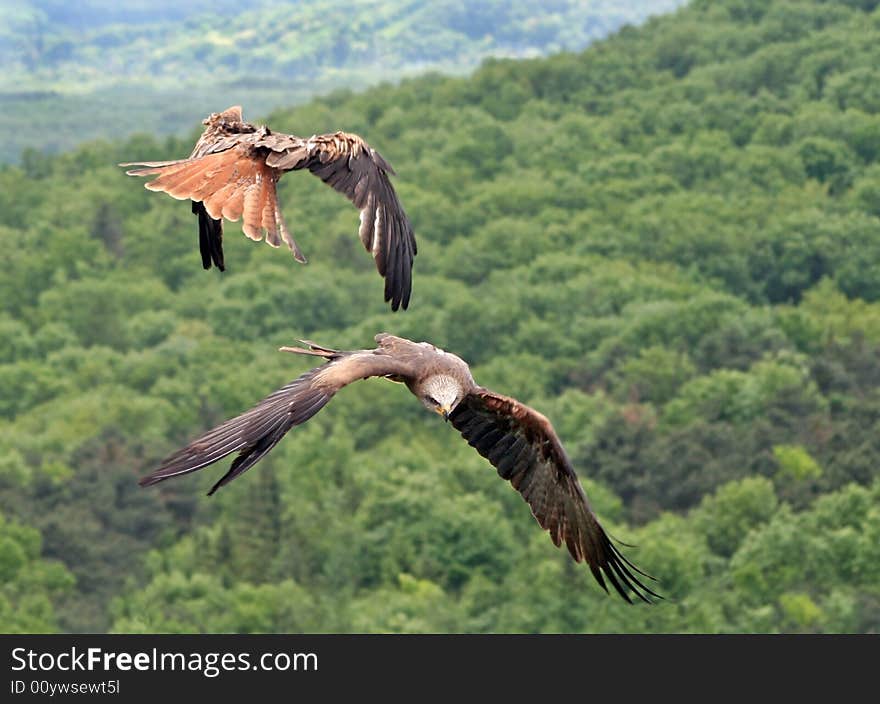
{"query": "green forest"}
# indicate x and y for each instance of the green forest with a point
(103, 68)
(669, 244)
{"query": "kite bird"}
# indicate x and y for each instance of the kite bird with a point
(232, 173)
(516, 439)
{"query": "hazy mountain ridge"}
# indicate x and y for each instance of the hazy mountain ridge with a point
(669, 244)
(110, 70)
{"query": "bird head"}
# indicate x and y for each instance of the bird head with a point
(441, 393)
(229, 115)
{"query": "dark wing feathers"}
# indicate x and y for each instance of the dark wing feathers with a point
(233, 169)
(350, 166)
(252, 434)
(522, 445)
(255, 432)
(517, 440)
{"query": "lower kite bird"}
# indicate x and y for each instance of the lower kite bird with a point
(519, 441)
(232, 173)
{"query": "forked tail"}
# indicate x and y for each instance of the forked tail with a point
(314, 350)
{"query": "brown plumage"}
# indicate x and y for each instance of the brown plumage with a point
(518, 441)
(233, 171)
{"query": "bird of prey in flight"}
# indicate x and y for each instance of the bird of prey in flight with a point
(519, 442)
(232, 173)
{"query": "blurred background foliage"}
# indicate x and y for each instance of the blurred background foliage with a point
(669, 243)
(103, 68)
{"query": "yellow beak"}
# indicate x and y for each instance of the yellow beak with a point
(443, 411)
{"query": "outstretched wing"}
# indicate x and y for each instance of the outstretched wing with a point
(523, 446)
(255, 432)
(233, 170)
(352, 167)
(231, 183)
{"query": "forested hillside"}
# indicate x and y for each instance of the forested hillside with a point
(669, 244)
(104, 68)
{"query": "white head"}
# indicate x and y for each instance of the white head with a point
(441, 393)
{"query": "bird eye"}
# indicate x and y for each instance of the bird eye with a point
(433, 401)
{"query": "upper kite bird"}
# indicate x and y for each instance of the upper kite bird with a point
(520, 442)
(232, 173)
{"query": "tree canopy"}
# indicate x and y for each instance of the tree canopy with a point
(103, 68)
(668, 243)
